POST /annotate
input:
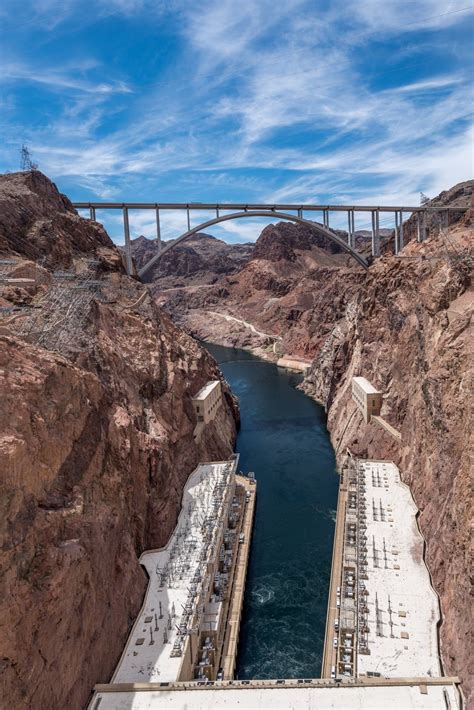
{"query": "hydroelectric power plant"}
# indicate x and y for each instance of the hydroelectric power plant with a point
(362, 631)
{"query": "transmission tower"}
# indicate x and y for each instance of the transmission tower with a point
(26, 163)
(424, 199)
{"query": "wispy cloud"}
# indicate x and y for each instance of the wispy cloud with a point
(59, 80)
(253, 100)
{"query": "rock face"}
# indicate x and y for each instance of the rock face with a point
(96, 442)
(280, 291)
(409, 331)
(201, 259)
(406, 326)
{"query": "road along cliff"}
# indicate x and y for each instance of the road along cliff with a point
(96, 443)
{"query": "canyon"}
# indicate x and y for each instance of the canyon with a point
(98, 372)
(406, 325)
(96, 443)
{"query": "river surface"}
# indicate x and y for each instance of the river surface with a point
(284, 440)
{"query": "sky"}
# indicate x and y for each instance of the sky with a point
(317, 101)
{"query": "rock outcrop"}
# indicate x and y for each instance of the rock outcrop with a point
(201, 259)
(96, 442)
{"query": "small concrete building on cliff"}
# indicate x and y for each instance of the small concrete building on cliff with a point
(367, 398)
(207, 401)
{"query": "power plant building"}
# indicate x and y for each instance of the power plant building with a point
(187, 628)
(367, 398)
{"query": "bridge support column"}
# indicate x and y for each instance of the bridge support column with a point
(351, 228)
(420, 227)
(92, 213)
(189, 218)
(423, 227)
(397, 235)
(375, 233)
(158, 230)
(128, 249)
(326, 218)
(401, 242)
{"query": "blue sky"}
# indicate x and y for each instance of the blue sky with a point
(248, 100)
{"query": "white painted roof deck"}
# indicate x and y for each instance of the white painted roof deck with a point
(142, 661)
(337, 698)
(206, 390)
(367, 386)
(403, 579)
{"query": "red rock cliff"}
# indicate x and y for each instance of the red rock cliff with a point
(409, 331)
(96, 442)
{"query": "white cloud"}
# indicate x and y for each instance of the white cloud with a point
(250, 75)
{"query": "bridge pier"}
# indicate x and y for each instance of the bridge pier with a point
(128, 249)
(420, 227)
(351, 228)
(399, 241)
(397, 234)
(326, 218)
(375, 233)
(158, 229)
(92, 213)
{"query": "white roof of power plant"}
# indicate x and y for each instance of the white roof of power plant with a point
(172, 571)
(206, 390)
(403, 606)
(365, 385)
(388, 697)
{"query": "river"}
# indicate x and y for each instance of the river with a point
(284, 440)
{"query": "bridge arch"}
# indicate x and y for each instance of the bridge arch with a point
(319, 229)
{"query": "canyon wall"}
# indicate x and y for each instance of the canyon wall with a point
(409, 331)
(96, 442)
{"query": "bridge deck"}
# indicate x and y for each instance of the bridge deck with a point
(254, 206)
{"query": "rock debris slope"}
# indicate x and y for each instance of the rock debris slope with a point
(96, 442)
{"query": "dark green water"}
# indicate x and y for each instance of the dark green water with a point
(283, 438)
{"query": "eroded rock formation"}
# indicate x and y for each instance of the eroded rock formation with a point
(96, 442)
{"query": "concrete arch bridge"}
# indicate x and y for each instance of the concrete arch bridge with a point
(291, 212)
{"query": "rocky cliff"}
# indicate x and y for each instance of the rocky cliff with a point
(409, 331)
(275, 303)
(201, 259)
(96, 442)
